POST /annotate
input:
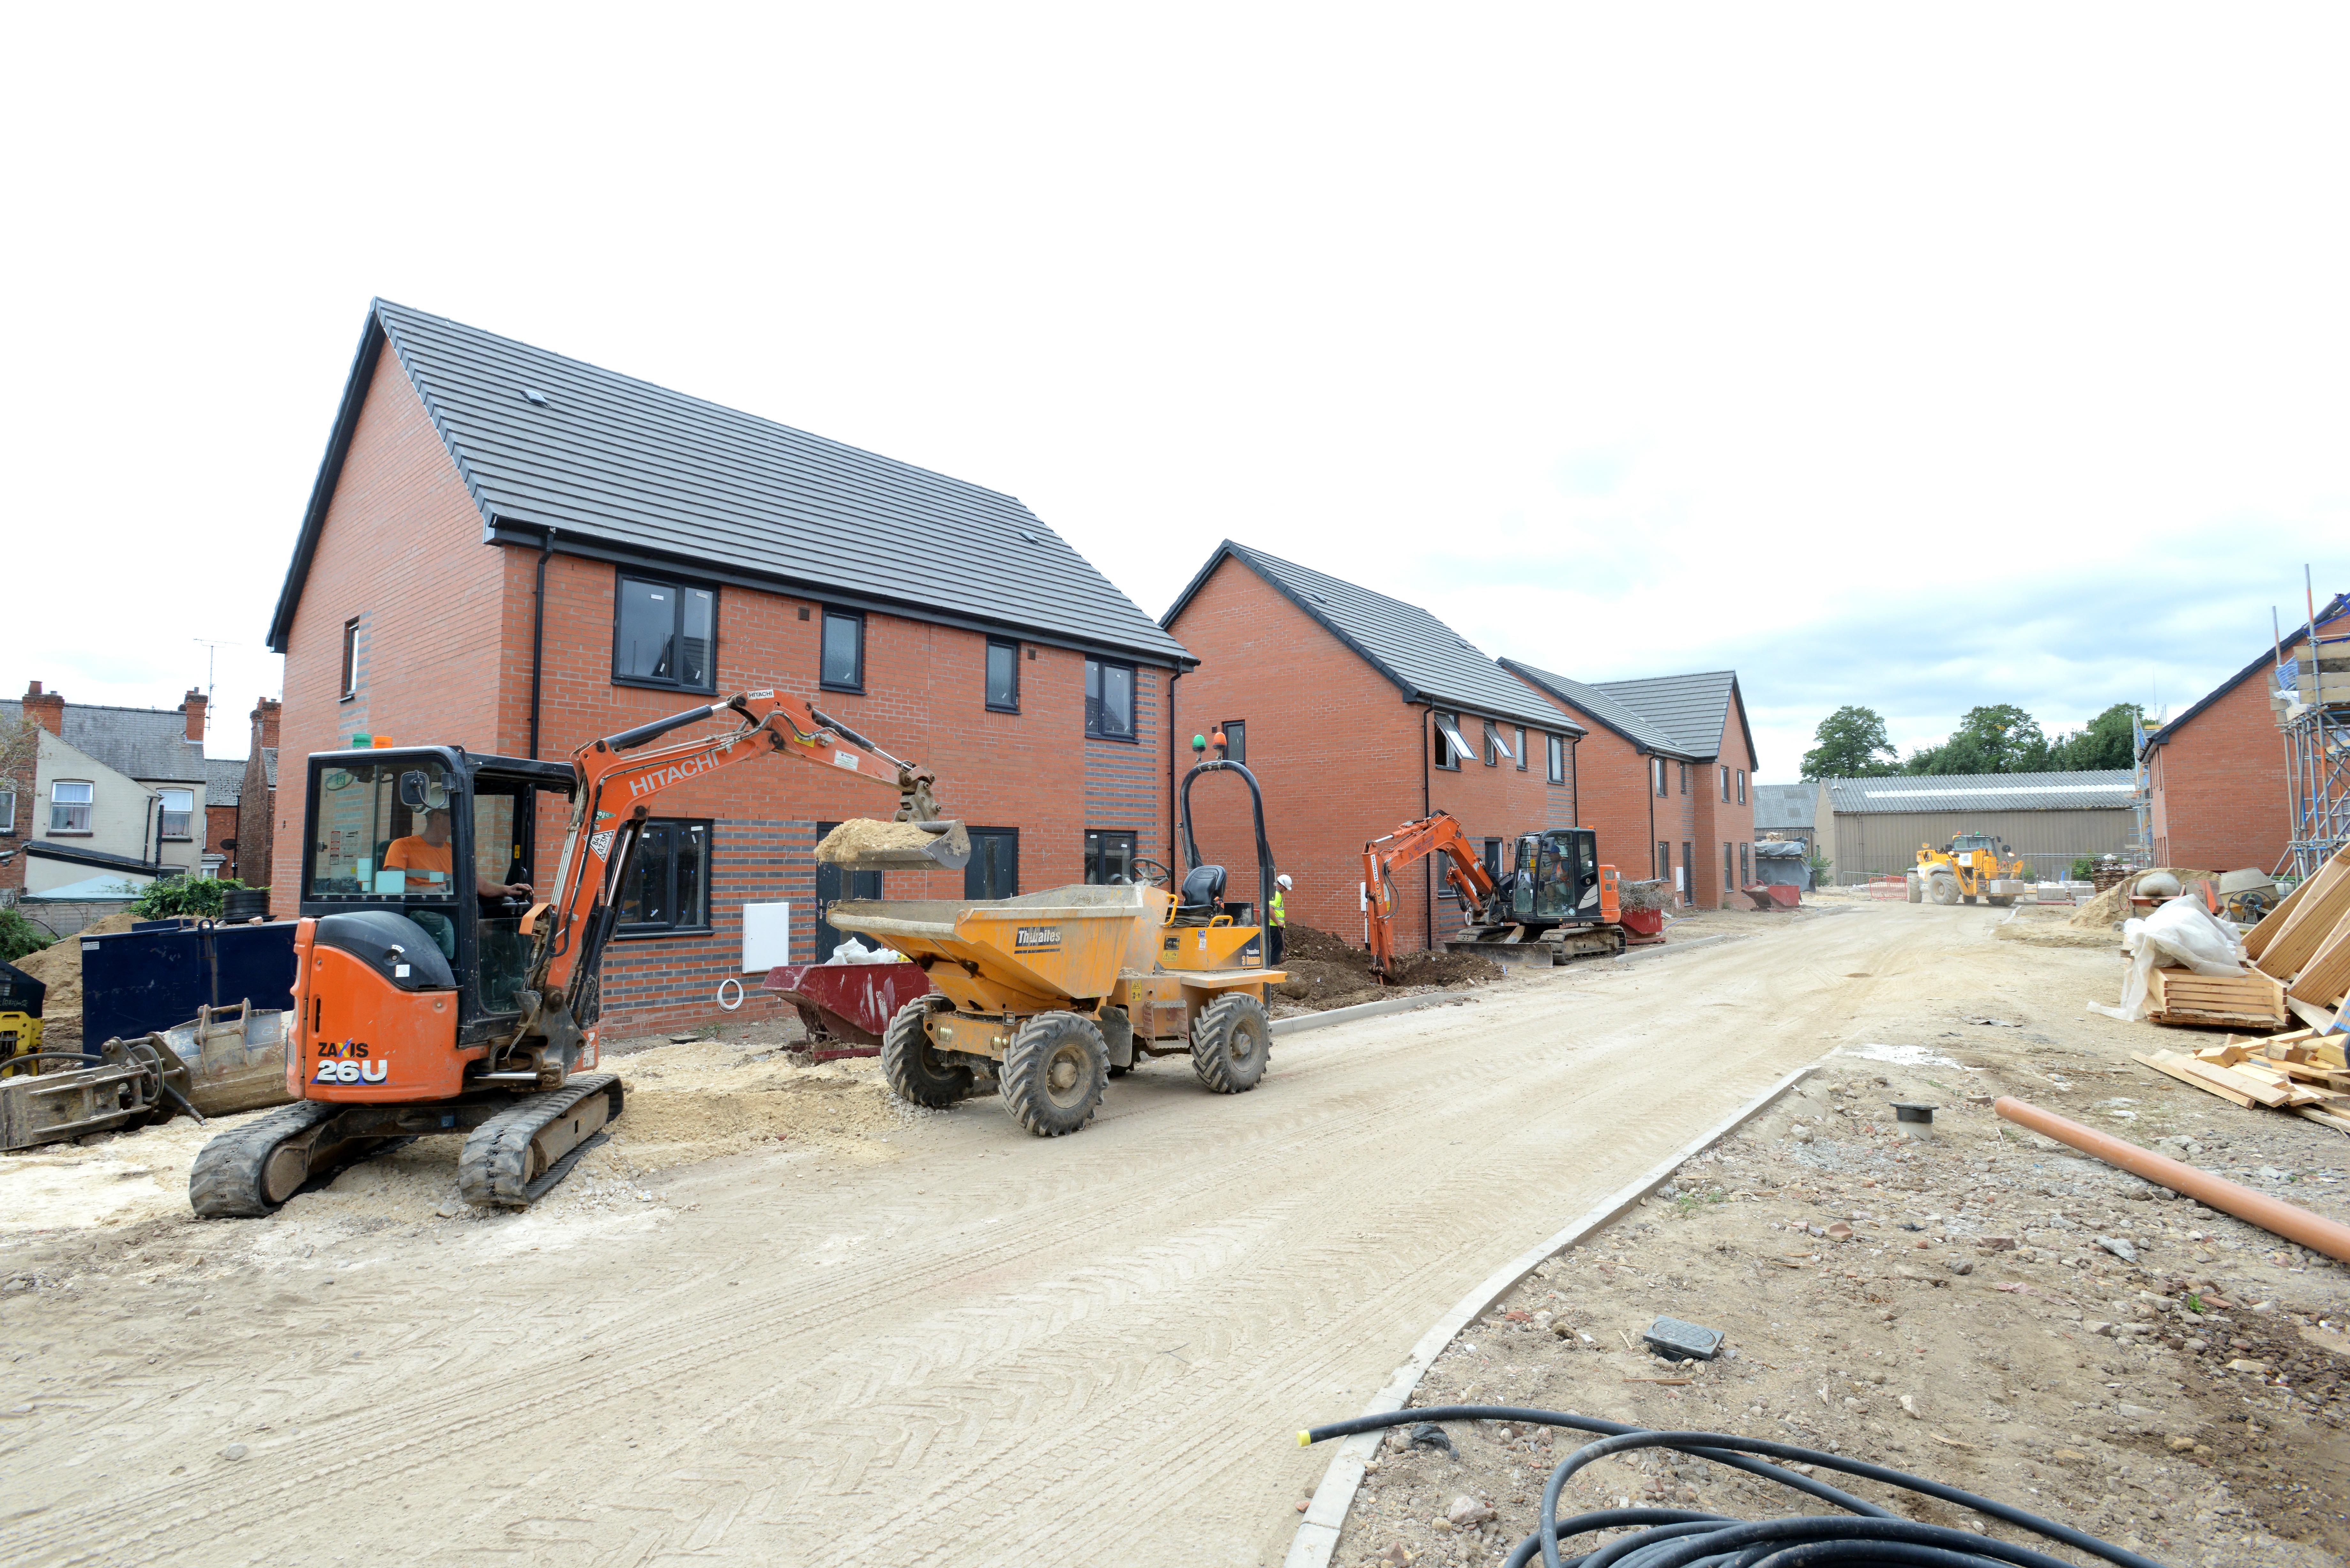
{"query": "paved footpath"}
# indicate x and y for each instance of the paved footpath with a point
(995, 1349)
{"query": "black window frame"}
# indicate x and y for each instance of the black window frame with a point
(1521, 748)
(625, 929)
(1685, 772)
(1097, 840)
(823, 631)
(1665, 860)
(1093, 703)
(1662, 781)
(986, 674)
(351, 660)
(1447, 759)
(1742, 786)
(1554, 758)
(1235, 732)
(677, 587)
(1725, 785)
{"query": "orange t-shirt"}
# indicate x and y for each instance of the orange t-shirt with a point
(416, 855)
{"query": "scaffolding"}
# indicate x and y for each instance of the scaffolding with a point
(2312, 698)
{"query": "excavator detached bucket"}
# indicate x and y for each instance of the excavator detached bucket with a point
(867, 846)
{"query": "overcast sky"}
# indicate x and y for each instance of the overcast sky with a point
(1910, 357)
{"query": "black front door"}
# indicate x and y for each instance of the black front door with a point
(994, 868)
(832, 885)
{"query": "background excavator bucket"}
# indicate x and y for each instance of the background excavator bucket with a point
(867, 846)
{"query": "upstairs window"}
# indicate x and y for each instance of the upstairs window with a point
(1742, 786)
(1236, 740)
(664, 634)
(351, 658)
(843, 664)
(1451, 748)
(1002, 677)
(1109, 701)
(69, 806)
(1496, 748)
(1521, 748)
(1556, 747)
(179, 808)
(1685, 778)
(1656, 772)
(1725, 783)
(7, 810)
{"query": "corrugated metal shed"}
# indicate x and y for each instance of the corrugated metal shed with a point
(1693, 710)
(1778, 808)
(1426, 660)
(2102, 789)
(615, 463)
(149, 744)
(1604, 710)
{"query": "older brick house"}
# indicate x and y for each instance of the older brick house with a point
(518, 553)
(1357, 713)
(100, 799)
(2215, 775)
(1668, 772)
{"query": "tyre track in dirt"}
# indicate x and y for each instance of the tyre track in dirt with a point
(1138, 1313)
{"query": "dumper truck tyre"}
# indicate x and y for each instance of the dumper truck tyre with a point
(2000, 900)
(1942, 889)
(913, 1068)
(1917, 889)
(1053, 1073)
(1231, 1043)
(1966, 898)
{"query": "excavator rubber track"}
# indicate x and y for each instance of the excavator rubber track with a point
(524, 1149)
(229, 1177)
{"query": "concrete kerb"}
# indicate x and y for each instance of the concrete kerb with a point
(1318, 1532)
(1369, 1010)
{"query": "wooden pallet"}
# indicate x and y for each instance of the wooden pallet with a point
(2251, 1001)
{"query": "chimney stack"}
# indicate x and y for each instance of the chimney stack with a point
(264, 724)
(194, 707)
(47, 708)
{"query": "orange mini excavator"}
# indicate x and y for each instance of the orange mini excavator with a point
(432, 997)
(1559, 902)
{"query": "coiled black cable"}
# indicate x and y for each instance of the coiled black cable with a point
(1679, 1538)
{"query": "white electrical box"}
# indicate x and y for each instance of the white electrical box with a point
(766, 937)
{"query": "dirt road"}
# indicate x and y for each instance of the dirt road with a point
(966, 1346)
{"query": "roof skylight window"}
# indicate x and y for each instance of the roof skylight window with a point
(535, 398)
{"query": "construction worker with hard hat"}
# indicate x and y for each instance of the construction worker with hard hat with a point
(1277, 918)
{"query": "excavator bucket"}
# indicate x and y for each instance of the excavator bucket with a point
(867, 846)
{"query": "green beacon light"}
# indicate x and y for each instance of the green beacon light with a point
(1199, 743)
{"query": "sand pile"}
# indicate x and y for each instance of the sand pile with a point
(2101, 912)
(852, 840)
(58, 967)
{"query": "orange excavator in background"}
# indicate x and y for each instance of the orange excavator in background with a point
(1559, 902)
(430, 996)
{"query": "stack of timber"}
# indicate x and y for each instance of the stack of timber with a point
(2303, 1072)
(2303, 944)
(2252, 1001)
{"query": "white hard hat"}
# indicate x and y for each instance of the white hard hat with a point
(1282, 879)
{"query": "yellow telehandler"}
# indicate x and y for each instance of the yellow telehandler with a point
(1967, 868)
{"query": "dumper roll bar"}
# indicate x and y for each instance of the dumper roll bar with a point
(1264, 871)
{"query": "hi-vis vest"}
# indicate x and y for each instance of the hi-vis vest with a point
(1280, 915)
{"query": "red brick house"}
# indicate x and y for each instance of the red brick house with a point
(1669, 773)
(518, 553)
(2215, 775)
(1357, 713)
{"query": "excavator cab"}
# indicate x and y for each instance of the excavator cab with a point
(1556, 877)
(407, 855)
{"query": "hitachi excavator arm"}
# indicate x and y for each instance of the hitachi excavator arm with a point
(614, 798)
(1431, 835)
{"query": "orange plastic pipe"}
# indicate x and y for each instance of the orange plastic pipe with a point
(2294, 1224)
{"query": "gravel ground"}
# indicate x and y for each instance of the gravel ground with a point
(1960, 1308)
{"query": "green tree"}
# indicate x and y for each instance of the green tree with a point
(1851, 744)
(169, 897)
(2001, 738)
(2106, 744)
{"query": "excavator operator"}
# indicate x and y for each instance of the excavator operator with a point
(425, 857)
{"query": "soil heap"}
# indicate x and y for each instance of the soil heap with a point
(1326, 971)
